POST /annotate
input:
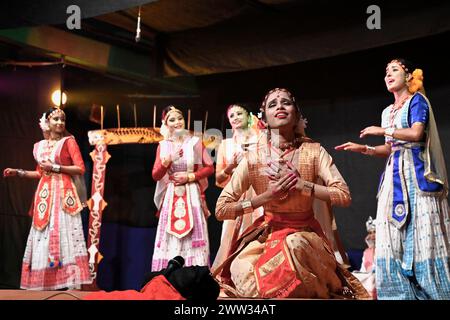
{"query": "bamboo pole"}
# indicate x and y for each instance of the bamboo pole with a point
(206, 121)
(118, 116)
(101, 117)
(135, 115)
(189, 120)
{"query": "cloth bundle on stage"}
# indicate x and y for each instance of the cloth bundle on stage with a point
(188, 283)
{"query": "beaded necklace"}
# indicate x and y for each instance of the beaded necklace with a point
(395, 108)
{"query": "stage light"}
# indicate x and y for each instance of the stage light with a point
(56, 98)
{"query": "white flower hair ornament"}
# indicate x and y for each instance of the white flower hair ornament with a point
(303, 123)
(371, 224)
(164, 130)
(43, 123)
(301, 126)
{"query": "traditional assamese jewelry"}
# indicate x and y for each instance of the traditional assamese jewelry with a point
(191, 177)
(400, 64)
(369, 150)
(172, 110)
(308, 188)
(247, 206)
(164, 130)
(56, 168)
(57, 110)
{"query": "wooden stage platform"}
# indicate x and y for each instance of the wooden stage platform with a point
(42, 295)
(53, 295)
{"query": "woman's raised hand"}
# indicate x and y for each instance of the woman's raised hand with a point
(371, 131)
(166, 161)
(351, 146)
(9, 172)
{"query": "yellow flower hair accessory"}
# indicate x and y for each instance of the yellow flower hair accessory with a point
(416, 83)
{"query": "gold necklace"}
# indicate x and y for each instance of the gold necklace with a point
(283, 153)
(51, 144)
(396, 106)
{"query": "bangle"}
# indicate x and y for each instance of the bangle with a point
(56, 168)
(247, 206)
(225, 173)
(20, 172)
(165, 162)
(369, 150)
(389, 132)
(308, 188)
(191, 177)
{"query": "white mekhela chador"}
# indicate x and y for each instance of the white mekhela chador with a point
(55, 256)
(413, 225)
(182, 227)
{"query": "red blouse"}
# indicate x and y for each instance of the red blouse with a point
(159, 170)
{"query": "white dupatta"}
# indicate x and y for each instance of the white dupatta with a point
(189, 145)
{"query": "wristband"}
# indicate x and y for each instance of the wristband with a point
(308, 188)
(247, 206)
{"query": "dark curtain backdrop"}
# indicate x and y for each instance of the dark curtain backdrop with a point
(24, 96)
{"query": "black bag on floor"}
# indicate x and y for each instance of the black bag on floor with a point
(193, 283)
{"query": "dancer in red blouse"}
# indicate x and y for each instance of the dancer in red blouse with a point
(55, 255)
(181, 167)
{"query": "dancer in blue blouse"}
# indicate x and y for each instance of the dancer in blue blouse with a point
(413, 225)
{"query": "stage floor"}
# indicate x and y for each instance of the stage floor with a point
(42, 295)
(77, 295)
(53, 295)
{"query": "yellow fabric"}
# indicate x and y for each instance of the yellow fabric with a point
(250, 172)
(313, 260)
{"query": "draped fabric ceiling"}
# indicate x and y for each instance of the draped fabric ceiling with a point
(202, 37)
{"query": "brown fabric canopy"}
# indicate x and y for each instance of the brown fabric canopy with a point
(202, 37)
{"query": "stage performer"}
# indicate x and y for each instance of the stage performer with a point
(366, 274)
(181, 169)
(55, 255)
(284, 253)
(412, 243)
(231, 151)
